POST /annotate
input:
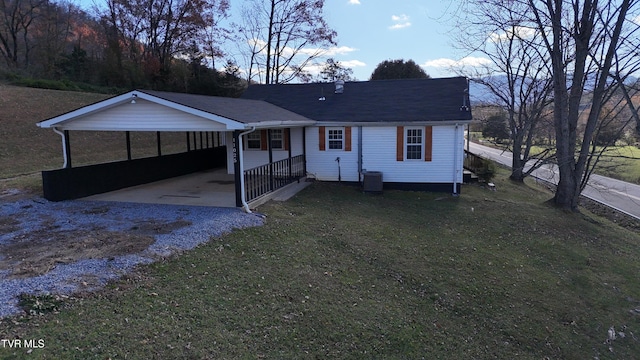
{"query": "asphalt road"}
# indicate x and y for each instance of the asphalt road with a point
(620, 195)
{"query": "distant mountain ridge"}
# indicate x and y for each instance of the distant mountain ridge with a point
(478, 93)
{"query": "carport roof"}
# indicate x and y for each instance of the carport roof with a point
(189, 112)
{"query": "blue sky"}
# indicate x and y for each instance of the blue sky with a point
(371, 31)
(378, 30)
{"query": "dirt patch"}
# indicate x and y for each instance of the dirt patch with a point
(38, 252)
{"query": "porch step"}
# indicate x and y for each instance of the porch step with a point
(469, 177)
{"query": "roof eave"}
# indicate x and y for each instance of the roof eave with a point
(58, 121)
(279, 124)
(395, 123)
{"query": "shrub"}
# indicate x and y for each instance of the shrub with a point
(486, 171)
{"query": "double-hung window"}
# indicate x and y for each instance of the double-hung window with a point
(335, 137)
(414, 141)
(254, 140)
(277, 142)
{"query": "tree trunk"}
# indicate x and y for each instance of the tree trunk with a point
(269, 37)
(517, 164)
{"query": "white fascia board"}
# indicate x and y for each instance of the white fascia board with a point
(229, 123)
(391, 123)
(280, 124)
(58, 121)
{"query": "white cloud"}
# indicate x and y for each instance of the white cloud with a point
(636, 20)
(520, 32)
(352, 63)
(401, 22)
(397, 18)
(288, 51)
(339, 50)
(450, 63)
(354, 2)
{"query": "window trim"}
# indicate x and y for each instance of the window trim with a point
(329, 140)
(259, 139)
(407, 144)
(281, 132)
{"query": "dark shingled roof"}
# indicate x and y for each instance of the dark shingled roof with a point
(404, 100)
(241, 110)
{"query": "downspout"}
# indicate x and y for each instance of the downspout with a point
(241, 159)
(360, 154)
(64, 146)
(455, 160)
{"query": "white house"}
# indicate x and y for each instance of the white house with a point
(410, 131)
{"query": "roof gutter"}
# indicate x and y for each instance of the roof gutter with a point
(391, 123)
(243, 196)
(280, 124)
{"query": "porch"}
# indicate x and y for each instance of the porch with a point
(279, 181)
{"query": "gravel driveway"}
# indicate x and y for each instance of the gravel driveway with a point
(70, 246)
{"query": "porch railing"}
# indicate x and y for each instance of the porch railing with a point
(473, 162)
(270, 177)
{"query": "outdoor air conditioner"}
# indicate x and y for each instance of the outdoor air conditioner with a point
(372, 182)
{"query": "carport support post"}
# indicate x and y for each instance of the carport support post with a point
(128, 136)
(236, 167)
(159, 144)
(67, 148)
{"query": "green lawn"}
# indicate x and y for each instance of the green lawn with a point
(622, 163)
(618, 162)
(335, 273)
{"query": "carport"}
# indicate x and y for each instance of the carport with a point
(196, 116)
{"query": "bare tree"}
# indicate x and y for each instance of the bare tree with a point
(593, 47)
(54, 33)
(517, 78)
(16, 20)
(159, 30)
(284, 36)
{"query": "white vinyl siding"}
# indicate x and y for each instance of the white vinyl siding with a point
(322, 164)
(143, 116)
(379, 154)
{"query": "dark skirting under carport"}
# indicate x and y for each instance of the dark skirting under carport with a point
(73, 183)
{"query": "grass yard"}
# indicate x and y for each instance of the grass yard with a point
(618, 162)
(622, 163)
(335, 273)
